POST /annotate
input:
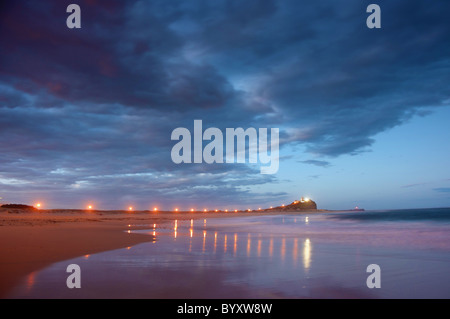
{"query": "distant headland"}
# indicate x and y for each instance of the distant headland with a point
(297, 205)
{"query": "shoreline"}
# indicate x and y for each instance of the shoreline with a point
(33, 240)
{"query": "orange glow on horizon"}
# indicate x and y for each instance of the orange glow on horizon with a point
(192, 209)
(176, 209)
(130, 208)
(89, 207)
(155, 209)
(38, 205)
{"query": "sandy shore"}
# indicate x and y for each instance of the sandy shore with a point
(34, 240)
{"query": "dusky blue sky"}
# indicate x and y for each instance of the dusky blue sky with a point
(86, 114)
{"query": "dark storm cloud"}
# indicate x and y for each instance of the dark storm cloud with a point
(88, 109)
(126, 55)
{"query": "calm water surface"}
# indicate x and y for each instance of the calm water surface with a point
(284, 256)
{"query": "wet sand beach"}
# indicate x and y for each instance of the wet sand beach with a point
(245, 255)
(31, 241)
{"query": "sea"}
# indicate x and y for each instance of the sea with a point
(384, 254)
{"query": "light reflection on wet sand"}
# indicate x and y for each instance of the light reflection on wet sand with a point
(307, 254)
(233, 262)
